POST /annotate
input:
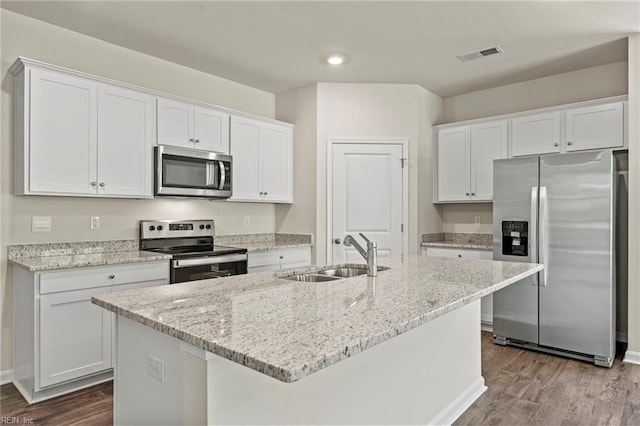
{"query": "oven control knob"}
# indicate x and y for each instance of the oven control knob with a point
(159, 227)
(208, 226)
(201, 226)
(152, 228)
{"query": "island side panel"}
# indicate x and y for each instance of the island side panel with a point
(429, 374)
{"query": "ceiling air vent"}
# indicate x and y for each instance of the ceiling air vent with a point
(480, 54)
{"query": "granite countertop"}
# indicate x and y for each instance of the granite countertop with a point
(262, 242)
(458, 240)
(68, 255)
(288, 329)
(452, 244)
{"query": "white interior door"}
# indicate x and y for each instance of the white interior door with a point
(367, 197)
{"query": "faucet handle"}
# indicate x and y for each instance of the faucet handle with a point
(365, 238)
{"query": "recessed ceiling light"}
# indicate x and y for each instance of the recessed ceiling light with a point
(335, 60)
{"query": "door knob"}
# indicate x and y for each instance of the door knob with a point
(337, 241)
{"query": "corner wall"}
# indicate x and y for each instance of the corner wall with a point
(381, 111)
(23, 36)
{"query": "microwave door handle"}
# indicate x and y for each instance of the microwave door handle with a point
(209, 173)
(223, 175)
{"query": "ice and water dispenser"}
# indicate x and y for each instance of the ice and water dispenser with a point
(515, 238)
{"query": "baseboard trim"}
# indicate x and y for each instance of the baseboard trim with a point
(461, 403)
(486, 326)
(632, 357)
(6, 376)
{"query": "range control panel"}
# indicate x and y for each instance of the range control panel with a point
(515, 238)
(176, 228)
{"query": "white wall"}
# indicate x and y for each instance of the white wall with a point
(22, 36)
(582, 85)
(634, 196)
(381, 111)
(300, 106)
(590, 83)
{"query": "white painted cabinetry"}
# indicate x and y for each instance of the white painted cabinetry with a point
(76, 136)
(535, 134)
(262, 161)
(595, 127)
(465, 161)
(273, 260)
(192, 126)
(486, 303)
(63, 341)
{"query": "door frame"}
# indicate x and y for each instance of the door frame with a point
(404, 143)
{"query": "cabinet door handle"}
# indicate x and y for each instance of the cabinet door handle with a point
(191, 140)
(466, 193)
(94, 183)
(473, 193)
(265, 193)
(102, 184)
(555, 144)
(569, 143)
(197, 141)
(112, 276)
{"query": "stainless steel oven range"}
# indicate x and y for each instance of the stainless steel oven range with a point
(191, 245)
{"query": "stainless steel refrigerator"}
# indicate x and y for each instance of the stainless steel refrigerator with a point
(557, 210)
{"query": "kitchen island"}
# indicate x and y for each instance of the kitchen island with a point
(403, 347)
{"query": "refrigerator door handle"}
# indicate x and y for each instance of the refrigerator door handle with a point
(542, 237)
(534, 230)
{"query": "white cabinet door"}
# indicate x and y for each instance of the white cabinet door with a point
(211, 130)
(595, 127)
(453, 164)
(75, 336)
(488, 143)
(535, 134)
(277, 163)
(125, 141)
(62, 142)
(273, 260)
(247, 167)
(175, 123)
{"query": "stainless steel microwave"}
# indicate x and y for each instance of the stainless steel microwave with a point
(184, 172)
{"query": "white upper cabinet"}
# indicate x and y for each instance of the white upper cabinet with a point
(594, 127)
(488, 142)
(262, 161)
(79, 137)
(192, 126)
(535, 134)
(454, 170)
(125, 142)
(57, 134)
(465, 161)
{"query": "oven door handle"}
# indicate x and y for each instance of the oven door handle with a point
(213, 260)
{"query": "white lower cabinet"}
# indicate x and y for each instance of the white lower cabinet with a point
(273, 260)
(486, 304)
(63, 341)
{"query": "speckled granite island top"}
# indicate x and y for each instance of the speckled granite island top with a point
(288, 329)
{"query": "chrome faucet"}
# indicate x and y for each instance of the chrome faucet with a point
(370, 255)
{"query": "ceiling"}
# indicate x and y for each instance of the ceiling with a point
(277, 46)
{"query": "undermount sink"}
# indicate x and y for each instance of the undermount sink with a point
(348, 271)
(332, 274)
(311, 278)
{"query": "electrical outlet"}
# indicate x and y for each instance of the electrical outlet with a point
(247, 220)
(155, 367)
(477, 220)
(41, 224)
(95, 222)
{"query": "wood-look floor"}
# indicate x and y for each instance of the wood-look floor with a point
(531, 388)
(525, 388)
(91, 406)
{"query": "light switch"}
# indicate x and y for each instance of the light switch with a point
(41, 223)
